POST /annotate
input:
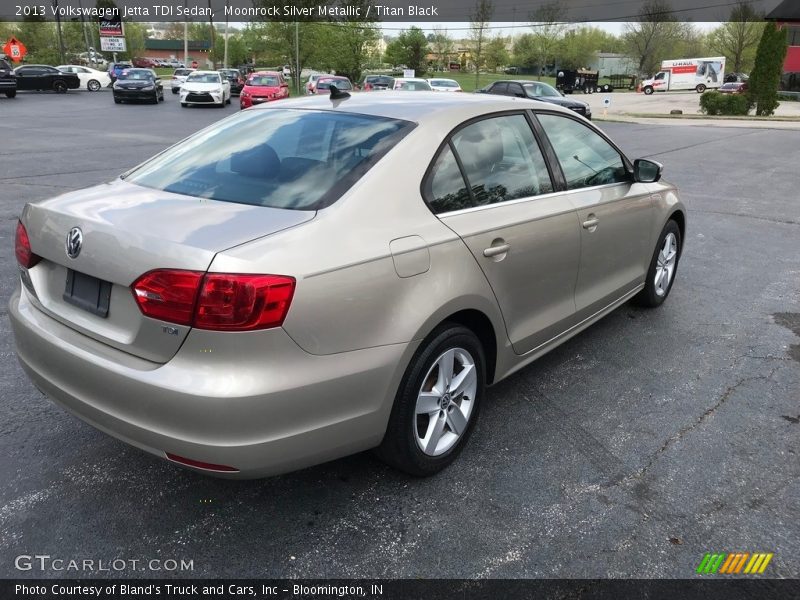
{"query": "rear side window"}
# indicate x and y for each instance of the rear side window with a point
(298, 159)
(586, 158)
(501, 161)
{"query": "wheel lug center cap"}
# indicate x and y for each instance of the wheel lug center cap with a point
(444, 402)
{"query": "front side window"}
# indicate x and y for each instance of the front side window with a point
(586, 158)
(297, 159)
(499, 88)
(659, 76)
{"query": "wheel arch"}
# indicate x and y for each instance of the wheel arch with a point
(680, 218)
(481, 325)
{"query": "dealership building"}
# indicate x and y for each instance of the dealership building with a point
(787, 17)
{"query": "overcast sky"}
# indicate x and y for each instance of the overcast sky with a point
(461, 30)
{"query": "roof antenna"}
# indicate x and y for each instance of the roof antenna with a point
(337, 94)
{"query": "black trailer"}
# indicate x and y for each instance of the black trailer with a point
(580, 80)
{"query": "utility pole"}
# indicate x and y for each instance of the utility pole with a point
(58, 28)
(297, 56)
(225, 58)
(185, 39)
(90, 56)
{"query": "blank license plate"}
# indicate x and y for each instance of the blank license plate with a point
(87, 292)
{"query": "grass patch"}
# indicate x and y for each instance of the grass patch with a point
(712, 118)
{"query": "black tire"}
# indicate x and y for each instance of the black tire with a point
(161, 97)
(700, 88)
(93, 85)
(174, 91)
(184, 105)
(60, 87)
(399, 447)
(648, 90)
(117, 101)
(649, 297)
(228, 101)
(11, 93)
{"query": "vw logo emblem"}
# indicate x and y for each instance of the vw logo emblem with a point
(74, 242)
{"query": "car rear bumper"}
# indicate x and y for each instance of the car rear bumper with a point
(260, 405)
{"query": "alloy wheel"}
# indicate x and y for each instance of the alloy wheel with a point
(665, 264)
(445, 402)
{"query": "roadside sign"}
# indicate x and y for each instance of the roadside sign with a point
(112, 44)
(111, 27)
(408, 73)
(15, 50)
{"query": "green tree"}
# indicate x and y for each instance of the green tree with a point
(548, 28)
(496, 53)
(766, 75)
(39, 37)
(410, 48)
(737, 39)
(580, 46)
(654, 36)
(348, 42)
(479, 22)
(442, 47)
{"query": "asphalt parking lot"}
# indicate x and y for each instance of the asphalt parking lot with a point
(630, 451)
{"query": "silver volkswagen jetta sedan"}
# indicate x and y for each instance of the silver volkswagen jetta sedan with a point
(307, 280)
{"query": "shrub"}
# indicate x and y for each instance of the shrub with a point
(714, 103)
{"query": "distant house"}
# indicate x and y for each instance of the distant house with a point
(787, 17)
(198, 50)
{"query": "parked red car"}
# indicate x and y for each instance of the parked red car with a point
(323, 84)
(143, 63)
(263, 86)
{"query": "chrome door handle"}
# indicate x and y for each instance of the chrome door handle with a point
(495, 250)
(589, 223)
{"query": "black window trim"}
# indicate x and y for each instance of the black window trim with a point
(553, 157)
(425, 186)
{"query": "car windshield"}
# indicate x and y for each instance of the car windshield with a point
(230, 73)
(203, 78)
(379, 80)
(448, 83)
(341, 84)
(282, 158)
(265, 80)
(133, 74)
(181, 72)
(540, 90)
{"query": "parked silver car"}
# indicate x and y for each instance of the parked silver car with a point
(312, 278)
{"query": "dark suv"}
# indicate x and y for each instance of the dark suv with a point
(8, 79)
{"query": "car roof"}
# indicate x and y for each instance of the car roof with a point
(338, 77)
(198, 72)
(420, 107)
(269, 73)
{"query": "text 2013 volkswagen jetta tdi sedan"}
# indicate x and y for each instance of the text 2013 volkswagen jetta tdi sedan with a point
(309, 279)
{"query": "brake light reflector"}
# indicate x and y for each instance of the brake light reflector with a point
(22, 248)
(197, 464)
(168, 295)
(216, 301)
(243, 302)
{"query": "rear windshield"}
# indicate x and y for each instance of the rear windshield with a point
(266, 80)
(413, 86)
(341, 84)
(282, 158)
(444, 83)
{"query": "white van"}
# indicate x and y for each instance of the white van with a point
(697, 74)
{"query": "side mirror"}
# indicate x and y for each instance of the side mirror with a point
(647, 171)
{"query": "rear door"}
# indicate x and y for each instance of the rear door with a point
(616, 214)
(491, 185)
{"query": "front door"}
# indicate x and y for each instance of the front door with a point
(615, 213)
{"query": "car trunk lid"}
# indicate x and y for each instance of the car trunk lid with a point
(128, 230)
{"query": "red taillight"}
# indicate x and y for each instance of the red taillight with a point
(197, 464)
(367, 87)
(217, 301)
(168, 295)
(243, 302)
(22, 248)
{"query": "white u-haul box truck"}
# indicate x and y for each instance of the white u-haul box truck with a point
(697, 74)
